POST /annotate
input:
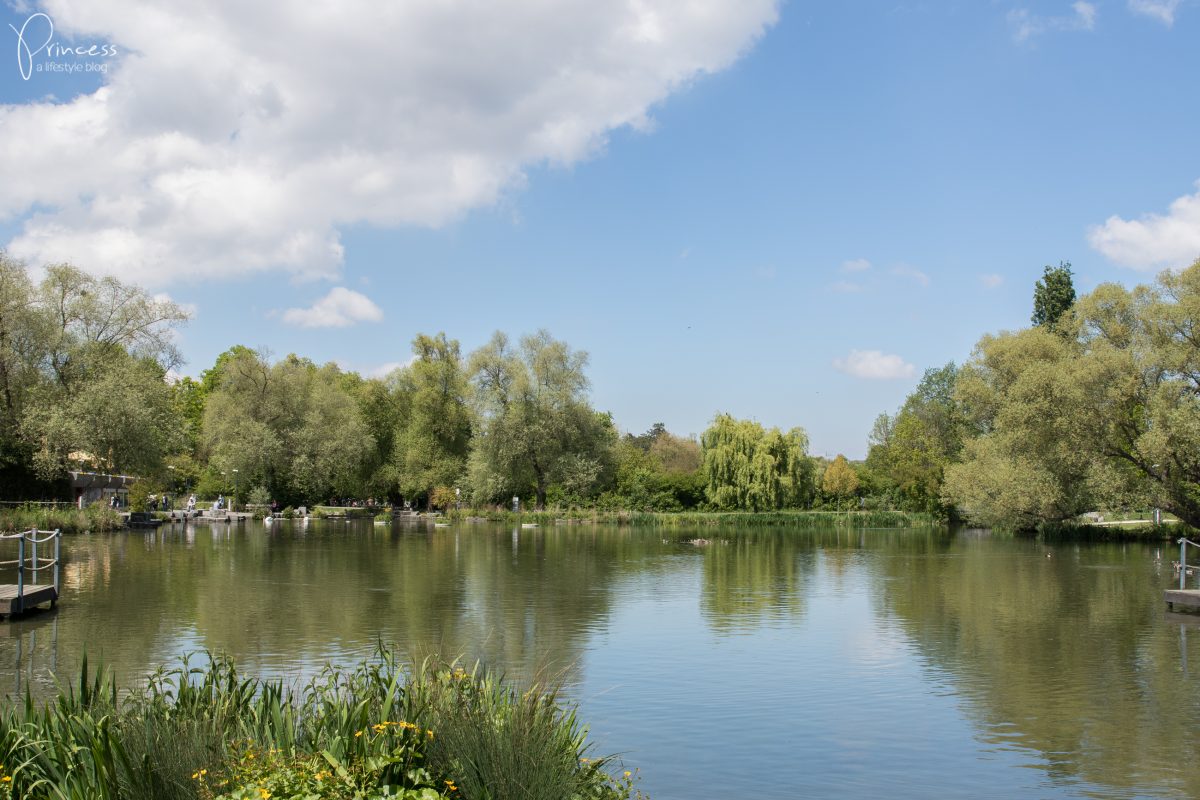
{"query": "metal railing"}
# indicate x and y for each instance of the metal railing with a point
(1183, 567)
(33, 537)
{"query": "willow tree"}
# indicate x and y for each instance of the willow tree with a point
(747, 467)
(291, 428)
(1140, 369)
(535, 427)
(1028, 463)
(1102, 413)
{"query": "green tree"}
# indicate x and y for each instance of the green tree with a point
(912, 449)
(20, 352)
(85, 315)
(1053, 295)
(83, 366)
(433, 440)
(1027, 463)
(1104, 413)
(747, 467)
(535, 426)
(1139, 370)
(123, 414)
(840, 480)
(291, 427)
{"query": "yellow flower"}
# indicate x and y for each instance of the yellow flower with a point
(6, 779)
(263, 793)
(357, 734)
(627, 773)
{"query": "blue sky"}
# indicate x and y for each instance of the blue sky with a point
(784, 212)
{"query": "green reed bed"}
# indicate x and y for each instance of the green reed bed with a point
(789, 519)
(382, 729)
(68, 519)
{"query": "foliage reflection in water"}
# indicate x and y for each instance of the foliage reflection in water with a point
(851, 663)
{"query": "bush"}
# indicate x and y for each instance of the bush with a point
(259, 496)
(139, 494)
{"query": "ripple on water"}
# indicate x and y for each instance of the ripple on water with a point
(770, 664)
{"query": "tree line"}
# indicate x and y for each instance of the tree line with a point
(1094, 407)
(87, 377)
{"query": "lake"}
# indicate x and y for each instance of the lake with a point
(765, 663)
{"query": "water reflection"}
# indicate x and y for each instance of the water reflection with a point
(1064, 650)
(905, 663)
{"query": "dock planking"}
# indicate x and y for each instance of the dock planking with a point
(1185, 598)
(34, 595)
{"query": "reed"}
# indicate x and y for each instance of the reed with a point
(68, 519)
(672, 519)
(200, 730)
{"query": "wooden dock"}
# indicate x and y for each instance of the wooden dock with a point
(11, 603)
(27, 593)
(1184, 598)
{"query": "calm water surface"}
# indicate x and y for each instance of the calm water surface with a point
(766, 664)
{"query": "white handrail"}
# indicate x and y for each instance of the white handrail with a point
(31, 536)
(1183, 569)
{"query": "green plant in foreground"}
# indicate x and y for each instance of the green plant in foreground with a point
(378, 730)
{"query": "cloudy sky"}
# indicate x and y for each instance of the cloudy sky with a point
(786, 211)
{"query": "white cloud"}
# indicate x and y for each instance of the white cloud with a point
(905, 271)
(1085, 14)
(339, 309)
(856, 265)
(1154, 241)
(190, 309)
(1161, 10)
(874, 365)
(387, 368)
(991, 280)
(1027, 25)
(231, 138)
(847, 287)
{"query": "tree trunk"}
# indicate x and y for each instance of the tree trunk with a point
(541, 486)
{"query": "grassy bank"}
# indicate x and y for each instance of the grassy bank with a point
(380, 730)
(1135, 531)
(68, 519)
(743, 519)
